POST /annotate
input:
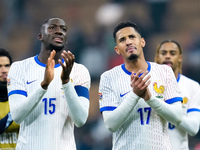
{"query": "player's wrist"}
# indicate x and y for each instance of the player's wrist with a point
(147, 98)
(132, 98)
(133, 95)
(150, 99)
(44, 85)
(65, 81)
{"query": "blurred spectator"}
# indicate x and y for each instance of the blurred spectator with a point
(157, 10)
(121, 1)
(95, 60)
(9, 130)
(77, 41)
(109, 13)
(192, 56)
(93, 136)
(15, 13)
(101, 135)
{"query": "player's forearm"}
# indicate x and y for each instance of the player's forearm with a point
(190, 123)
(114, 119)
(78, 106)
(21, 106)
(170, 112)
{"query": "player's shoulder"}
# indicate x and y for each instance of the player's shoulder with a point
(78, 66)
(188, 80)
(23, 63)
(80, 69)
(161, 66)
(112, 71)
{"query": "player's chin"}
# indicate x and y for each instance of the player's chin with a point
(57, 47)
(133, 57)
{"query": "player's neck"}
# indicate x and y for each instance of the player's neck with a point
(137, 65)
(176, 73)
(44, 55)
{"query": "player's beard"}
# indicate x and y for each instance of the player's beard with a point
(133, 57)
(56, 48)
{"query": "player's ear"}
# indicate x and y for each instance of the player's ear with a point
(117, 50)
(143, 43)
(40, 36)
(180, 58)
(156, 58)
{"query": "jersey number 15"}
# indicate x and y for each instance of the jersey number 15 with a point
(49, 106)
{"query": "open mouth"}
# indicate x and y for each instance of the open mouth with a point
(58, 40)
(4, 76)
(168, 63)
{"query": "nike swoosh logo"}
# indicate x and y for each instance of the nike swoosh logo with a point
(121, 95)
(30, 82)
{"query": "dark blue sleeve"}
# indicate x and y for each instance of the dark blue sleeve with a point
(5, 122)
(82, 91)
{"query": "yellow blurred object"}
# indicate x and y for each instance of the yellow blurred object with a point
(185, 100)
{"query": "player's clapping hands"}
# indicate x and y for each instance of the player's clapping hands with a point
(49, 71)
(140, 84)
(67, 67)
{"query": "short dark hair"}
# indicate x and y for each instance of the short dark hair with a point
(46, 21)
(180, 51)
(5, 53)
(173, 41)
(124, 25)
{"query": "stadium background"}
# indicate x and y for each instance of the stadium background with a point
(90, 26)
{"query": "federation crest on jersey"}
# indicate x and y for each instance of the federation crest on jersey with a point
(100, 96)
(160, 90)
(184, 102)
(8, 82)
